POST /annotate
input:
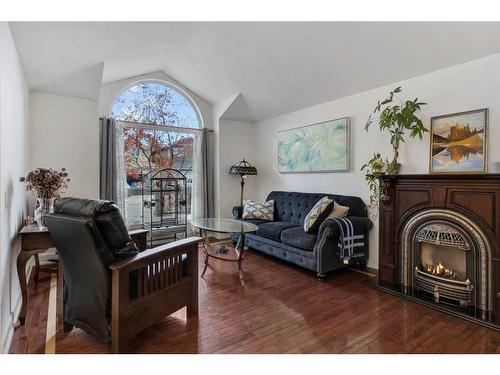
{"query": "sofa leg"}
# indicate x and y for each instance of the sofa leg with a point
(321, 276)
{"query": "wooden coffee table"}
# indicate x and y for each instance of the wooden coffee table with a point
(206, 225)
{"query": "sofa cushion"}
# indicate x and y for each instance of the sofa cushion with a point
(273, 230)
(317, 214)
(107, 218)
(294, 206)
(296, 237)
(258, 210)
(338, 211)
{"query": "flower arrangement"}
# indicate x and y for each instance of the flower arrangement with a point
(47, 182)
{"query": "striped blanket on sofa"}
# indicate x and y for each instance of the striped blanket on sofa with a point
(352, 240)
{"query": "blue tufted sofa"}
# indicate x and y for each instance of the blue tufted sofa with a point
(285, 237)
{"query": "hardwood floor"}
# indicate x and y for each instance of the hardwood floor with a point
(30, 338)
(282, 309)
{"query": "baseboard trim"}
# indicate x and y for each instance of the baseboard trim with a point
(7, 339)
(13, 323)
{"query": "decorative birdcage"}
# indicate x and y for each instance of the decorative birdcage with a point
(164, 207)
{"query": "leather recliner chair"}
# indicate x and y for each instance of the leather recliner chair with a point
(112, 290)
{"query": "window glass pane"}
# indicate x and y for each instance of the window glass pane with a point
(146, 151)
(143, 151)
(155, 103)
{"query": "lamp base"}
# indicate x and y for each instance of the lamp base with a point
(242, 183)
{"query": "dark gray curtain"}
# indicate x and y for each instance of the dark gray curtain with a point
(207, 172)
(202, 197)
(107, 160)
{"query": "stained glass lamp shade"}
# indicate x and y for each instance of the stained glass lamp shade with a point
(243, 168)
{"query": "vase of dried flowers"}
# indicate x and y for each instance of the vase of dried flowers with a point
(47, 184)
(44, 206)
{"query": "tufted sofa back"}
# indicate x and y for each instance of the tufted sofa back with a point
(293, 207)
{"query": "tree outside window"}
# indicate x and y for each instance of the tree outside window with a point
(147, 150)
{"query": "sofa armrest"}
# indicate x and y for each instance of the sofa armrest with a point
(237, 212)
(330, 228)
(326, 244)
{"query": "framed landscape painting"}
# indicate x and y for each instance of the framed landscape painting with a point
(322, 147)
(458, 142)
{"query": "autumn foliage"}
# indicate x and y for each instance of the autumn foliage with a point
(147, 150)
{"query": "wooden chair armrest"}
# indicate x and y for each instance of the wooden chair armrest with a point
(161, 286)
(151, 255)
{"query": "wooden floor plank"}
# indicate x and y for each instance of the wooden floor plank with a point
(284, 309)
(30, 338)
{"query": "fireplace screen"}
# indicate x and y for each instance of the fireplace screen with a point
(442, 264)
(444, 261)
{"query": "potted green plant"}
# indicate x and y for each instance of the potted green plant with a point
(375, 168)
(398, 119)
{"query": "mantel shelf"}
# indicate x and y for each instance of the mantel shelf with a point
(465, 176)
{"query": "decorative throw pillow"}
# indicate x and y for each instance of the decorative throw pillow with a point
(338, 211)
(317, 214)
(258, 210)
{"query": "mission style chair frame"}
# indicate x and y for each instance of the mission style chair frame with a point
(162, 288)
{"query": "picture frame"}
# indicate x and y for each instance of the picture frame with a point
(322, 147)
(458, 143)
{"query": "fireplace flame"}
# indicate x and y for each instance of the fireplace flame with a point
(440, 269)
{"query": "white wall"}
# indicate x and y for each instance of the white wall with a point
(218, 110)
(13, 159)
(64, 132)
(236, 141)
(468, 86)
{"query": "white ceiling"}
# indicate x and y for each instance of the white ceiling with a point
(277, 67)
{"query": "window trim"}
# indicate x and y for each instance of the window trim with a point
(130, 124)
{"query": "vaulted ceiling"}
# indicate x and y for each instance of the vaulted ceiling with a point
(276, 67)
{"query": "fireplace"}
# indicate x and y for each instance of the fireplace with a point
(443, 269)
(438, 243)
(444, 258)
(444, 265)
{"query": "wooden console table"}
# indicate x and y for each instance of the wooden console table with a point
(35, 241)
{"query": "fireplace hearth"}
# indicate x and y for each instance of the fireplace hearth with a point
(438, 243)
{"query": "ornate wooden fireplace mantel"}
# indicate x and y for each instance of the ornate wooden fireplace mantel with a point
(473, 198)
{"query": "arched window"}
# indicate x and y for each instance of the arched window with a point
(157, 127)
(155, 103)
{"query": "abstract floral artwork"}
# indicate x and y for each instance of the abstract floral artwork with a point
(322, 147)
(458, 142)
